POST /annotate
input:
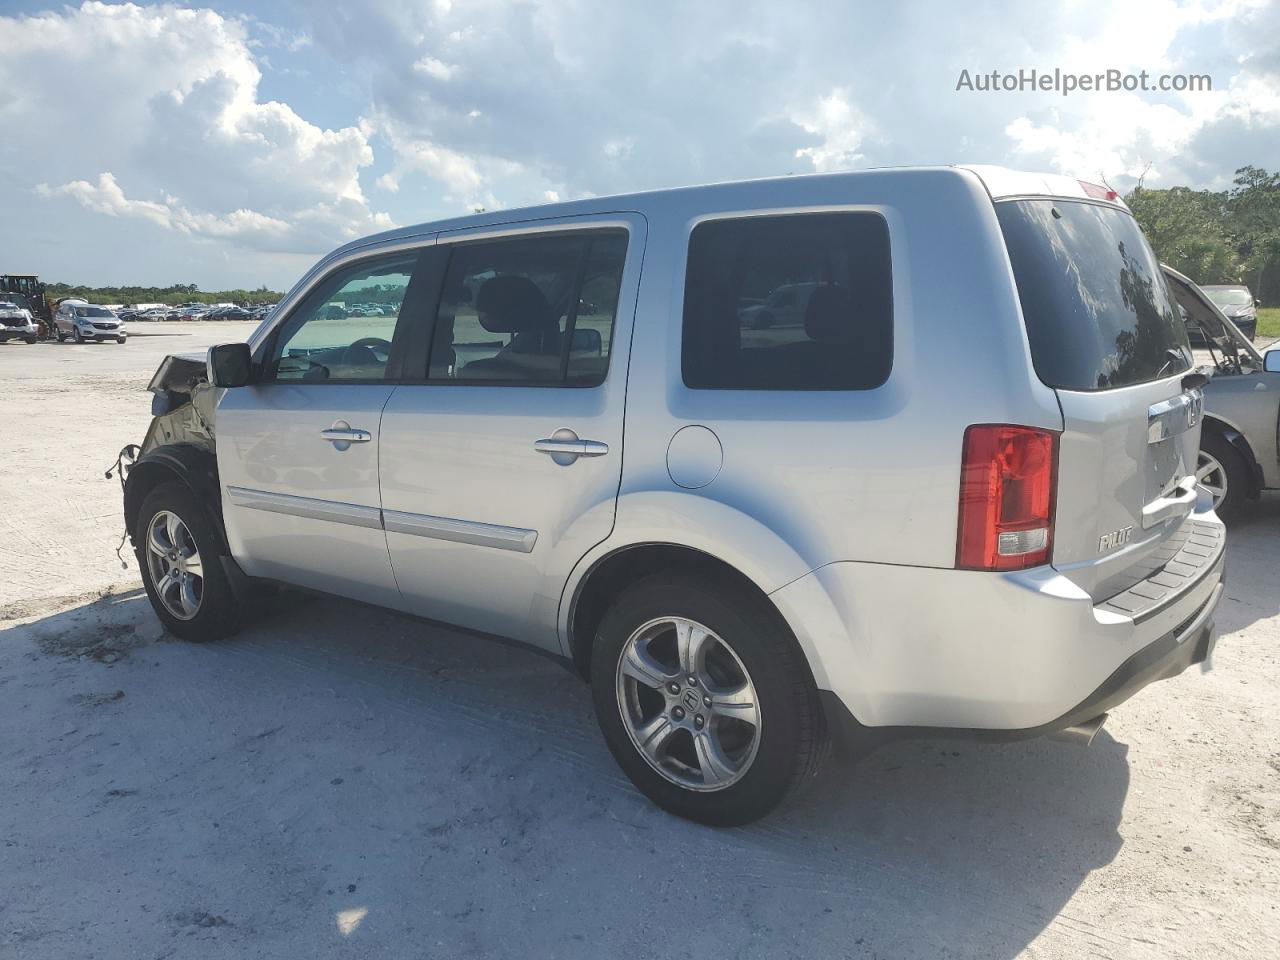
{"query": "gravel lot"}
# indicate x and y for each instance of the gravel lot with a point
(338, 782)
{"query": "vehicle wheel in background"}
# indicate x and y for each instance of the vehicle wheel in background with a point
(179, 552)
(704, 698)
(1223, 472)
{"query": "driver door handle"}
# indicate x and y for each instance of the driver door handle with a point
(350, 435)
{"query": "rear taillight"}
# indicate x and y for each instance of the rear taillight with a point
(1007, 482)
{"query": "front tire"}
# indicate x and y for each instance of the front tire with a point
(179, 552)
(79, 337)
(704, 698)
(1223, 472)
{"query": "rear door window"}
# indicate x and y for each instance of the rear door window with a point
(794, 302)
(529, 310)
(1097, 311)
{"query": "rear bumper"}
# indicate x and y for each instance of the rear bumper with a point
(921, 650)
(1170, 655)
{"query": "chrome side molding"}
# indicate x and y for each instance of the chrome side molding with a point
(393, 521)
(460, 531)
(309, 507)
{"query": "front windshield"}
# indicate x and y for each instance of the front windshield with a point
(13, 300)
(1233, 297)
(92, 312)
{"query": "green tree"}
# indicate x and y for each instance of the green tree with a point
(1254, 223)
(1185, 228)
(1232, 236)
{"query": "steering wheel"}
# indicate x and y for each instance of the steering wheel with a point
(358, 353)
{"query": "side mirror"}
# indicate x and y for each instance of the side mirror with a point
(1271, 361)
(230, 365)
(587, 341)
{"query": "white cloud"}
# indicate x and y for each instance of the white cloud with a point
(840, 126)
(435, 68)
(154, 114)
(105, 196)
(163, 126)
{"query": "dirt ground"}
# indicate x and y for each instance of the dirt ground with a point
(338, 782)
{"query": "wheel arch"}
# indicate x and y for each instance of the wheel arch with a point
(610, 573)
(191, 465)
(1238, 442)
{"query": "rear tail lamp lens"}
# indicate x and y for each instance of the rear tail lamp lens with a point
(1007, 482)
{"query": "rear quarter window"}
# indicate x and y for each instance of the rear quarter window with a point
(793, 302)
(1094, 300)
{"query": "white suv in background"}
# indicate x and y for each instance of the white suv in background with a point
(87, 322)
(954, 494)
(16, 322)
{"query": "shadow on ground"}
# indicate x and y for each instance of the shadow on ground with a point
(336, 777)
(1253, 586)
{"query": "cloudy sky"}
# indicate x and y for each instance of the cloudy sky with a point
(230, 144)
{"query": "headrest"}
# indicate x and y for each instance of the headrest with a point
(829, 316)
(513, 304)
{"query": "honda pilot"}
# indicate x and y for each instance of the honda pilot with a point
(955, 495)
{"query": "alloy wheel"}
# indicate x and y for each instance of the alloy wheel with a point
(173, 560)
(1211, 475)
(688, 704)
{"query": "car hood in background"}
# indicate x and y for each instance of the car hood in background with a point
(1223, 330)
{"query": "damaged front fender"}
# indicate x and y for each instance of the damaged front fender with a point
(179, 444)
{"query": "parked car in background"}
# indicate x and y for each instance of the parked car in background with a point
(1240, 442)
(228, 313)
(784, 306)
(87, 323)
(956, 494)
(1237, 305)
(16, 321)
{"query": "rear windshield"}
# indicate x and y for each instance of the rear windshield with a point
(1094, 299)
(1233, 297)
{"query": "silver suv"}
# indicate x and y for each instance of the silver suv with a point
(955, 496)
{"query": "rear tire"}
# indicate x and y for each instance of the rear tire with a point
(734, 739)
(179, 551)
(1224, 473)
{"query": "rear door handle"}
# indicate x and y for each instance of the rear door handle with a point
(564, 447)
(342, 435)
